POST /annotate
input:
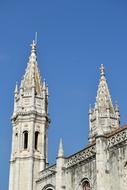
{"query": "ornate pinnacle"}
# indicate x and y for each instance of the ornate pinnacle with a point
(47, 91)
(102, 70)
(103, 99)
(16, 88)
(33, 47)
(44, 84)
(60, 151)
(116, 107)
(90, 109)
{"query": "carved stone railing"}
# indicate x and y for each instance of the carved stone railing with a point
(81, 156)
(117, 138)
(47, 172)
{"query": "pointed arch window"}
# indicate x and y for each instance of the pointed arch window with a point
(25, 137)
(48, 187)
(36, 140)
(86, 185)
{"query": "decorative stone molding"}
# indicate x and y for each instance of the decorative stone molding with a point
(48, 187)
(81, 156)
(117, 138)
(47, 172)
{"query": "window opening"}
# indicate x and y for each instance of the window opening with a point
(25, 139)
(36, 140)
(86, 185)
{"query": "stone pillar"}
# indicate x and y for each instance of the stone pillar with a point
(101, 160)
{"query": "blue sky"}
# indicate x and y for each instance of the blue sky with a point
(74, 38)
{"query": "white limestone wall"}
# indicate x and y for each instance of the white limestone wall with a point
(26, 164)
(77, 173)
(20, 177)
(42, 183)
(72, 177)
(24, 173)
(112, 171)
(118, 168)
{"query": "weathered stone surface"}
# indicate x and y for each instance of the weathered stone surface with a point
(102, 165)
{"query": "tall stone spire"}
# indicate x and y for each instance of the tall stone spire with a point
(32, 88)
(32, 78)
(30, 127)
(103, 118)
(103, 99)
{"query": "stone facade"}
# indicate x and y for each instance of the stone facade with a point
(102, 165)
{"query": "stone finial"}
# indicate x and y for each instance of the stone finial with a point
(102, 70)
(21, 85)
(60, 150)
(90, 109)
(44, 84)
(33, 47)
(117, 110)
(116, 107)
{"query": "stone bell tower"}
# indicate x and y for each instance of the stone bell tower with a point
(30, 124)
